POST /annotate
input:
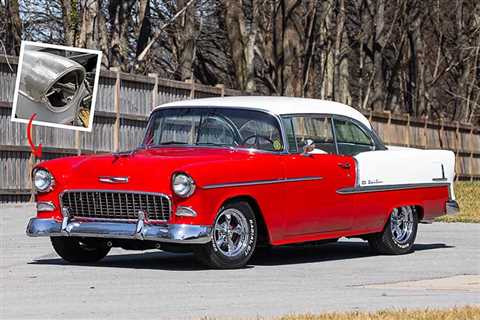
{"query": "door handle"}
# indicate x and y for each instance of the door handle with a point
(344, 165)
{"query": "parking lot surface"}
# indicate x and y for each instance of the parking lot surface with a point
(35, 283)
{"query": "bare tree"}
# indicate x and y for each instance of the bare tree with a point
(242, 41)
(416, 56)
(12, 27)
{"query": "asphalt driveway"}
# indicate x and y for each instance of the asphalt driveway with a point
(34, 283)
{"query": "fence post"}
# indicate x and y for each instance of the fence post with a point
(408, 131)
(222, 89)
(155, 89)
(192, 88)
(389, 126)
(457, 149)
(31, 163)
(440, 134)
(425, 133)
(77, 143)
(116, 126)
(472, 171)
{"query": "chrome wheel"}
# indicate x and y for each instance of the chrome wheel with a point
(231, 232)
(401, 224)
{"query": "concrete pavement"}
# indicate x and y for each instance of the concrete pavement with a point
(444, 271)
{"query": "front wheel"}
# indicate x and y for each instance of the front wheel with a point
(79, 250)
(234, 237)
(399, 233)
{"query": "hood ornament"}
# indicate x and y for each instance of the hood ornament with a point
(106, 179)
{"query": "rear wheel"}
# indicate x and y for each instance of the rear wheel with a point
(80, 250)
(234, 237)
(399, 233)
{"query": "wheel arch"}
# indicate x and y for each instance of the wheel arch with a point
(264, 236)
(418, 209)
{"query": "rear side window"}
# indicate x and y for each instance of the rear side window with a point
(351, 138)
(316, 128)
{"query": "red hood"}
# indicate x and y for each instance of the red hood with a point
(141, 167)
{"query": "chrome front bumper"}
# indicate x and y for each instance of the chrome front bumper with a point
(141, 230)
(452, 207)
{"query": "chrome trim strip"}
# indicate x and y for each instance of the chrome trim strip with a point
(259, 182)
(45, 206)
(383, 188)
(183, 211)
(173, 233)
(107, 179)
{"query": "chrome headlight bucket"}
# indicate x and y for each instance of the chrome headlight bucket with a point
(43, 180)
(183, 185)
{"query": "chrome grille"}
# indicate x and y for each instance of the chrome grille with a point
(101, 204)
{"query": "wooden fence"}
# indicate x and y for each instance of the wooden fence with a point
(125, 100)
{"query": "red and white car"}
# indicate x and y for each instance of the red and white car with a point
(221, 176)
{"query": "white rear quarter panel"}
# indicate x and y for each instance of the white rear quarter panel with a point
(399, 165)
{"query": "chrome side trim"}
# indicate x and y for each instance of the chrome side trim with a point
(173, 233)
(377, 188)
(259, 182)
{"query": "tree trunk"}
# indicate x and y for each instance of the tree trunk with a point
(71, 20)
(378, 44)
(327, 56)
(341, 90)
(242, 42)
(185, 40)
(89, 36)
(119, 16)
(14, 28)
(144, 26)
(292, 45)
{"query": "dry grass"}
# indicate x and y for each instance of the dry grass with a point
(464, 313)
(468, 197)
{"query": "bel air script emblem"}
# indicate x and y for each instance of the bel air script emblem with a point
(113, 179)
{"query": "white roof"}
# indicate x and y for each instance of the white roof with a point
(275, 105)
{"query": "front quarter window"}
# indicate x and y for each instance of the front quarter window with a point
(214, 127)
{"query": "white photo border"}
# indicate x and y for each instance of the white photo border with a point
(13, 118)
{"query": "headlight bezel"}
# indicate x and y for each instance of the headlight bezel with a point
(47, 175)
(186, 179)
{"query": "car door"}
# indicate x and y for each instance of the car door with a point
(315, 206)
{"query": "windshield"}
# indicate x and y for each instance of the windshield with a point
(214, 127)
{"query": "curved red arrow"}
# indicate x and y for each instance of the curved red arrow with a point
(37, 152)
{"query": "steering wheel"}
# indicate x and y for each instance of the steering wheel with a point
(257, 137)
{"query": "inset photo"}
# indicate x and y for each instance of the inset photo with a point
(58, 84)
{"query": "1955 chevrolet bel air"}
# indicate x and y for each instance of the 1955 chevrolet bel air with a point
(221, 176)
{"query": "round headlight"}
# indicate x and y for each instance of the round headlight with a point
(43, 180)
(183, 185)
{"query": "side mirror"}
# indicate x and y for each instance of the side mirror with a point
(308, 147)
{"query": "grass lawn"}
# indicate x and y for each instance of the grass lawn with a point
(468, 197)
(464, 313)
